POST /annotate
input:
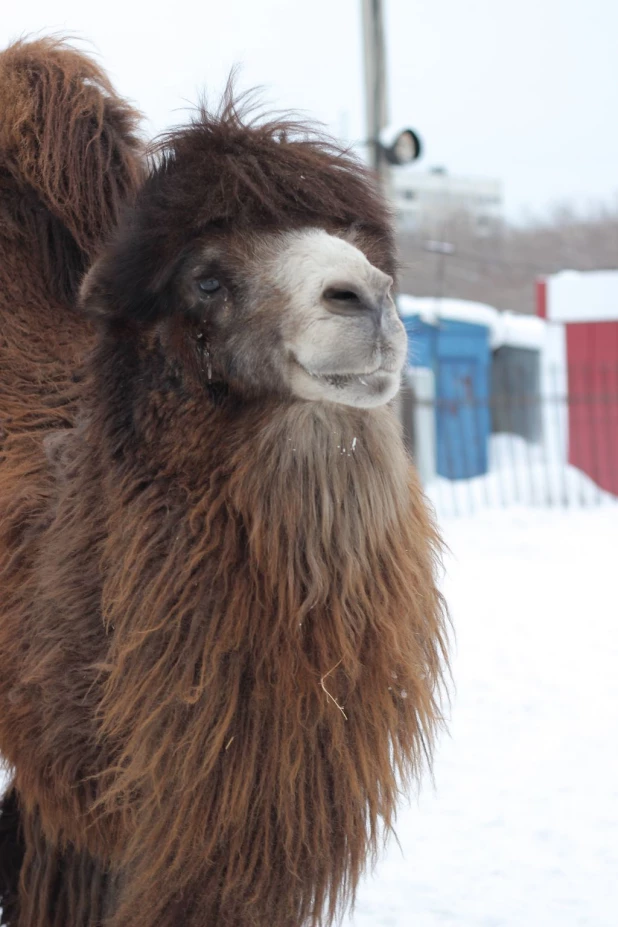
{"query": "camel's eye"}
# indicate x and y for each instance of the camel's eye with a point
(209, 285)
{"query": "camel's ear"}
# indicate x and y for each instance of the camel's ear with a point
(91, 298)
(131, 282)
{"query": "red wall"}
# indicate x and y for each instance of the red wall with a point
(592, 353)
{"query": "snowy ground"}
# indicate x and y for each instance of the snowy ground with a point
(519, 473)
(521, 829)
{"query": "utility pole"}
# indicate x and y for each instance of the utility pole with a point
(376, 105)
(388, 145)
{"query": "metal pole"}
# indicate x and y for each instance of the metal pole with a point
(376, 106)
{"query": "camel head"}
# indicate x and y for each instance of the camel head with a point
(259, 259)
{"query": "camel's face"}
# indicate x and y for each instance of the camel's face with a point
(343, 338)
(303, 313)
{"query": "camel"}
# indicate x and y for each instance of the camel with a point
(222, 637)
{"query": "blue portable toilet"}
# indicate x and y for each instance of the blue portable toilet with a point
(453, 338)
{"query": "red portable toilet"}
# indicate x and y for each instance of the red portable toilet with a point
(587, 304)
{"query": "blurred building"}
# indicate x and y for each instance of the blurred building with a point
(428, 201)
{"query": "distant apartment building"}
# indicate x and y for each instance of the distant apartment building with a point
(427, 201)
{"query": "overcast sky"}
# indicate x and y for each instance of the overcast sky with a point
(522, 90)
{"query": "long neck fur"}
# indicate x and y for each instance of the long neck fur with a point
(276, 646)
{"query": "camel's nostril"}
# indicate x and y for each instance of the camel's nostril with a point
(346, 299)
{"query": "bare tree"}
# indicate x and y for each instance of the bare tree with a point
(500, 265)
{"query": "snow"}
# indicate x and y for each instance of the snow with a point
(505, 328)
(518, 331)
(522, 473)
(520, 828)
(583, 297)
(460, 310)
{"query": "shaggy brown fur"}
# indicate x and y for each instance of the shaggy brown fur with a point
(69, 160)
(221, 637)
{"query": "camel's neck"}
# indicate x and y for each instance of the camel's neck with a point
(325, 475)
(275, 643)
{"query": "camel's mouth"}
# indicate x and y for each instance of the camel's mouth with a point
(341, 379)
(364, 389)
(345, 377)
